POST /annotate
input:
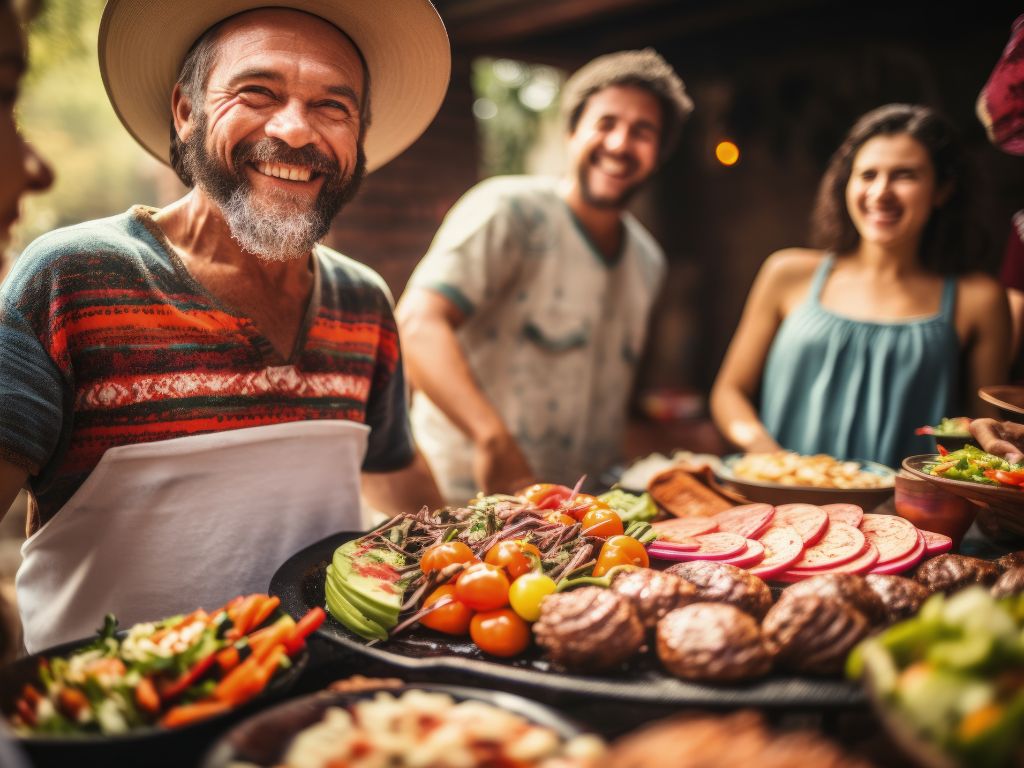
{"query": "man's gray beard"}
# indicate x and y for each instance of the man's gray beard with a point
(282, 232)
(291, 225)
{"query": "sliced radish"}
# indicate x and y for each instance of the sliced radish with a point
(753, 555)
(909, 561)
(864, 562)
(672, 554)
(935, 543)
(850, 514)
(683, 529)
(713, 546)
(748, 520)
(810, 521)
(782, 547)
(840, 544)
(895, 537)
(677, 545)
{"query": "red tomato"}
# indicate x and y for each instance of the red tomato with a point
(500, 633)
(602, 522)
(545, 495)
(581, 504)
(452, 618)
(483, 587)
(620, 550)
(558, 517)
(1006, 478)
(436, 557)
(516, 557)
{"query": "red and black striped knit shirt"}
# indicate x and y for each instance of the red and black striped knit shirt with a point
(107, 340)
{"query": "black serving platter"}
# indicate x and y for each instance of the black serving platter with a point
(152, 746)
(299, 582)
(264, 738)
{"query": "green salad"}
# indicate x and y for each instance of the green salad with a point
(972, 465)
(958, 426)
(955, 674)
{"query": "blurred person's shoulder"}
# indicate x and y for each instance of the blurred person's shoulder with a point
(513, 191)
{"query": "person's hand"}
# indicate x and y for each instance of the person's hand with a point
(1003, 438)
(499, 466)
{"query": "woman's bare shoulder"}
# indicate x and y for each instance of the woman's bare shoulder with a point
(792, 264)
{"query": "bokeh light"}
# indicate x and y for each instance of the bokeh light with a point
(727, 153)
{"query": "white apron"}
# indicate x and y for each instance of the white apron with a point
(166, 527)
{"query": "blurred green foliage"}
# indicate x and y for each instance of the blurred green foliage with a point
(63, 111)
(516, 107)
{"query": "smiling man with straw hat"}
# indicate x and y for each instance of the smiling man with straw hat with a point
(195, 393)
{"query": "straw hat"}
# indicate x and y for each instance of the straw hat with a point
(142, 44)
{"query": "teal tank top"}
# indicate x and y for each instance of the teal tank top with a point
(855, 389)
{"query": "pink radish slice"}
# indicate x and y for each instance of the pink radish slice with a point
(840, 544)
(713, 546)
(860, 564)
(782, 548)
(898, 566)
(895, 537)
(675, 555)
(683, 529)
(850, 514)
(810, 521)
(678, 545)
(753, 555)
(935, 543)
(748, 520)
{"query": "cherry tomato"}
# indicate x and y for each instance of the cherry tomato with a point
(436, 557)
(516, 557)
(452, 618)
(526, 593)
(483, 587)
(602, 522)
(545, 495)
(581, 504)
(620, 550)
(558, 517)
(500, 633)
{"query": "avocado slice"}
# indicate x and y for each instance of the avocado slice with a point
(372, 610)
(342, 610)
(370, 572)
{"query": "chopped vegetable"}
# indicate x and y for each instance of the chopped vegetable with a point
(171, 672)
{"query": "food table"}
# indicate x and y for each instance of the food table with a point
(609, 703)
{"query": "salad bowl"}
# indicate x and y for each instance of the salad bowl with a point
(153, 745)
(1000, 513)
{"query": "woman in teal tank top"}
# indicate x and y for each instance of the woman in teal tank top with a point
(847, 349)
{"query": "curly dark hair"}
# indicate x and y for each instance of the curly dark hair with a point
(952, 242)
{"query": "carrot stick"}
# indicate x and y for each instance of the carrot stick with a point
(244, 616)
(146, 696)
(191, 713)
(306, 626)
(261, 642)
(234, 688)
(268, 607)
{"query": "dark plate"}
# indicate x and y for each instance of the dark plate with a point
(300, 585)
(264, 738)
(152, 745)
(1001, 509)
(776, 493)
